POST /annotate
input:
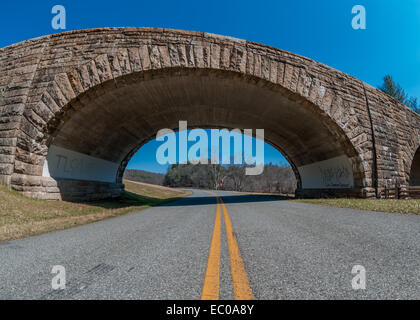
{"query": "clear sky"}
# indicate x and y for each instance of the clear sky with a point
(145, 158)
(318, 29)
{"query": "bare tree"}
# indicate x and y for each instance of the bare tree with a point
(237, 176)
(215, 176)
(218, 175)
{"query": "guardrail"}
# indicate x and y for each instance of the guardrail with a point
(412, 192)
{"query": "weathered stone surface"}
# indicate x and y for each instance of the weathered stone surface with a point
(105, 92)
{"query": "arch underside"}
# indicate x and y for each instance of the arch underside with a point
(415, 170)
(106, 125)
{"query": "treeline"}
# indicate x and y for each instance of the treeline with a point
(144, 176)
(274, 179)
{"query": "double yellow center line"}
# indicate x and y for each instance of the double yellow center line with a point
(241, 287)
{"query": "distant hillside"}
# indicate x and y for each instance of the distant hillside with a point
(144, 176)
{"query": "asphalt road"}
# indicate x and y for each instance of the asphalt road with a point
(258, 247)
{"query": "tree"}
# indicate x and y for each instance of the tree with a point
(217, 174)
(237, 176)
(392, 88)
(412, 104)
(389, 86)
(275, 178)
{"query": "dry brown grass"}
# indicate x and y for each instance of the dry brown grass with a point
(22, 217)
(411, 206)
(384, 205)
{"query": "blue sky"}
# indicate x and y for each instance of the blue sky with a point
(145, 158)
(320, 30)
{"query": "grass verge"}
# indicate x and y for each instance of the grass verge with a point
(21, 216)
(411, 206)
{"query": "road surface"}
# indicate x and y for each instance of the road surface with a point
(222, 247)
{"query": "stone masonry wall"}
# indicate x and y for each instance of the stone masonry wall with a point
(40, 77)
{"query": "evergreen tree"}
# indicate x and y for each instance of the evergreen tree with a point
(392, 88)
(389, 86)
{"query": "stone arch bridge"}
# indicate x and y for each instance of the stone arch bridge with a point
(75, 106)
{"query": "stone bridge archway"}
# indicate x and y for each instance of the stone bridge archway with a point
(94, 96)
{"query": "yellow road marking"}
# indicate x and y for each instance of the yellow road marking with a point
(241, 288)
(211, 279)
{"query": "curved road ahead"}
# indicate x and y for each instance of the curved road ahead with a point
(227, 246)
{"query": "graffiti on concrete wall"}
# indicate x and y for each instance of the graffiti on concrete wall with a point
(335, 173)
(335, 177)
(67, 164)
